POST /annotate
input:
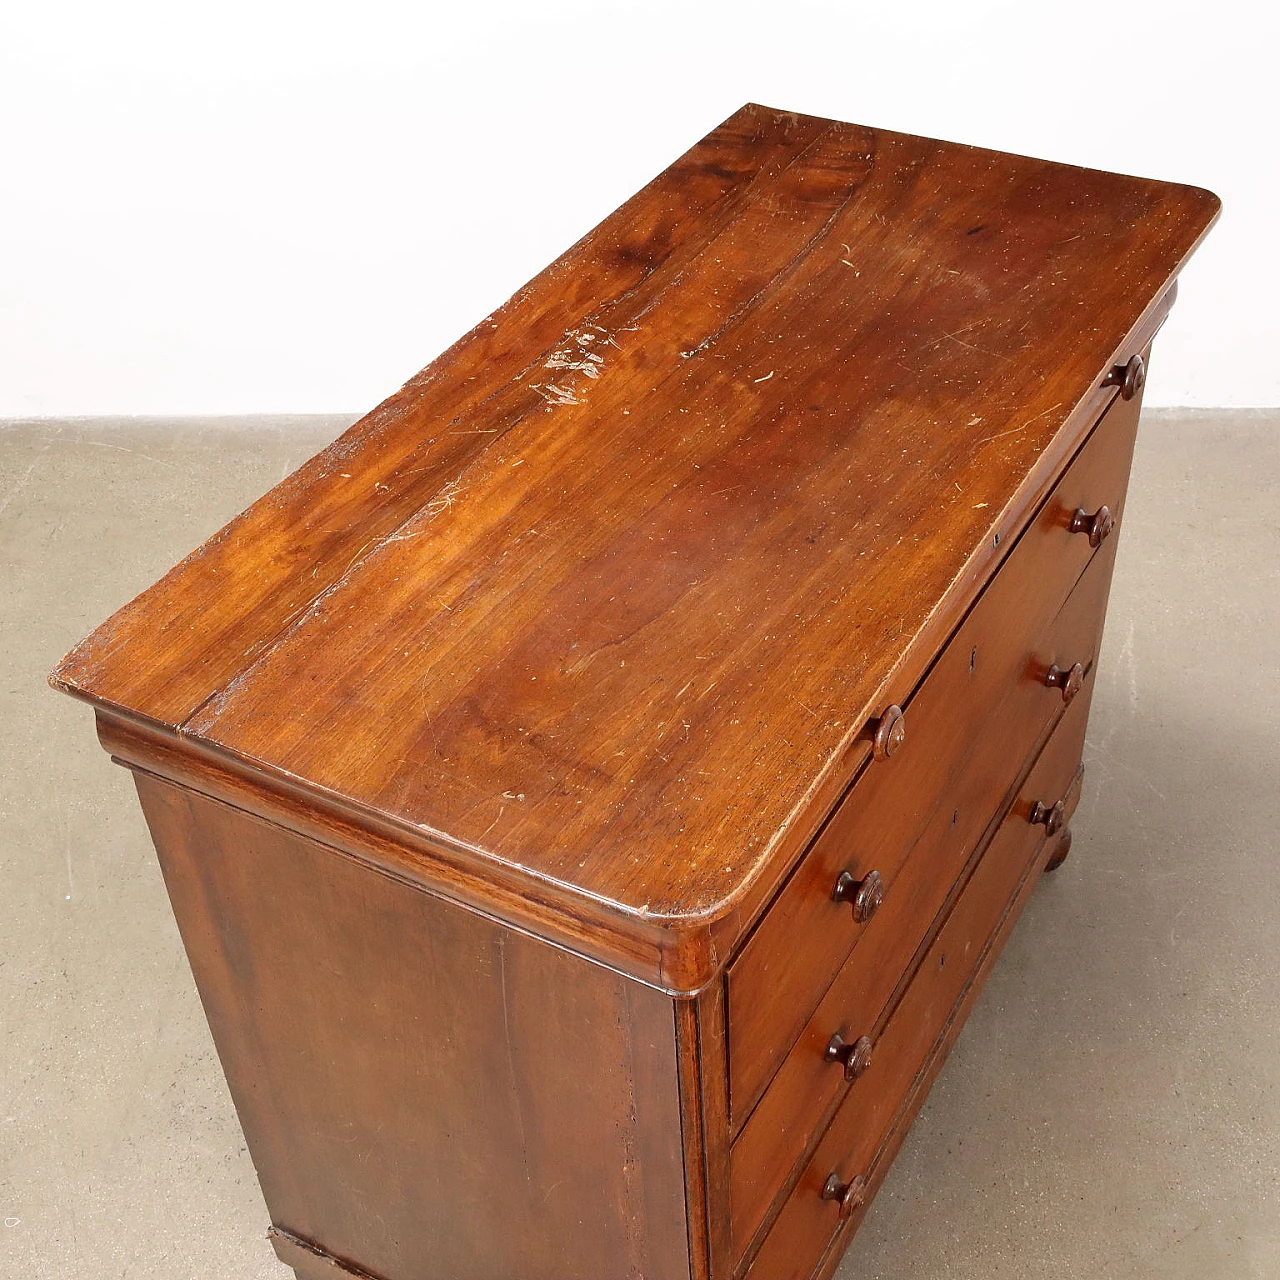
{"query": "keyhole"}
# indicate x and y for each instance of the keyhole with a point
(942, 962)
(973, 657)
(955, 817)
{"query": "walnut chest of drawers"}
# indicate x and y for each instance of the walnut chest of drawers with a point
(593, 790)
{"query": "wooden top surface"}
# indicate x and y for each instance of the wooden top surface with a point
(608, 590)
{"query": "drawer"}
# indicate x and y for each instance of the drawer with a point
(860, 1140)
(808, 1085)
(803, 939)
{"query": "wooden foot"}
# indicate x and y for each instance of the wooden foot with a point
(1059, 855)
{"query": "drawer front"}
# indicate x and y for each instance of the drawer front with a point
(808, 1085)
(804, 938)
(921, 1026)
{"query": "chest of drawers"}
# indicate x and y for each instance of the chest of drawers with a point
(592, 791)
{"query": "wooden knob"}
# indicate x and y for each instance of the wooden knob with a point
(891, 730)
(1069, 681)
(856, 1054)
(1052, 816)
(1130, 377)
(864, 895)
(1097, 526)
(849, 1194)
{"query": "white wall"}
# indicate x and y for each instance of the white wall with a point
(272, 205)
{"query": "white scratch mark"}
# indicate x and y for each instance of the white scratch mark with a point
(511, 1055)
(443, 500)
(502, 808)
(1013, 431)
(575, 358)
(766, 377)
(556, 393)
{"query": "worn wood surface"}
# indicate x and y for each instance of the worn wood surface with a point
(704, 1098)
(970, 727)
(425, 1092)
(604, 597)
(870, 1123)
(806, 1088)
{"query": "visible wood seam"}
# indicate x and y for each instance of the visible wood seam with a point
(297, 620)
(866, 762)
(390, 873)
(1004, 810)
(692, 1104)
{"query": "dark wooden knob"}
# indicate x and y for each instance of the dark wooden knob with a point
(1097, 526)
(864, 895)
(1130, 377)
(1052, 816)
(849, 1194)
(855, 1054)
(891, 730)
(1070, 680)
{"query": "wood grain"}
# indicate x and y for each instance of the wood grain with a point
(400, 1066)
(502, 760)
(801, 1096)
(872, 1117)
(606, 595)
(970, 727)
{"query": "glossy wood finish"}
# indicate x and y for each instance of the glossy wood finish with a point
(399, 1065)
(570, 783)
(981, 709)
(917, 1033)
(576, 589)
(805, 1090)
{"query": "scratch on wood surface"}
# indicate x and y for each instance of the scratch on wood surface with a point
(968, 346)
(443, 500)
(512, 1054)
(577, 355)
(502, 808)
(218, 698)
(557, 393)
(1013, 431)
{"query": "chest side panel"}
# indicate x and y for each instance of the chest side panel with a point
(425, 1092)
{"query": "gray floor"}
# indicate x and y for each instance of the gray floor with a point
(1112, 1109)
